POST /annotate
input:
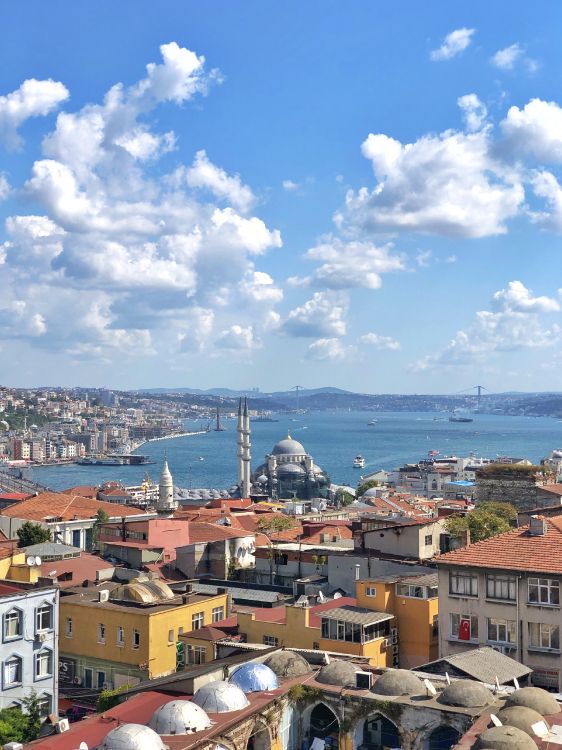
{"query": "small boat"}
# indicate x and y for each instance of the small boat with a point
(372, 422)
(201, 458)
(358, 462)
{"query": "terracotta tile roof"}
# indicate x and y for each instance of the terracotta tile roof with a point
(212, 532)
(74, 570)
(85, 490)
(514, 550)
(556, 489)
(206, 633)
(16, 496)
(60, 505)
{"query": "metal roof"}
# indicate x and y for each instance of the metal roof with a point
(431, 580)
(355, 615)
(239, 592)
(483, 664)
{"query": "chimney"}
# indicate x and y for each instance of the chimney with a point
(357, 571)
(465, 537)
(537, 526)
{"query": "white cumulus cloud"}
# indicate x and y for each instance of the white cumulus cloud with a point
(379, 342)
(328, 350)
(322, 316)
(204, 174)
(536, 129)
(454, 43)
(32, 99)
(474, 111)
(508, 57)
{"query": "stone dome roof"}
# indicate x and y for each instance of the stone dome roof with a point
(536, 698)
(254, 677)
(520, 717)
(220, 697)
(288, 447)
(371, 492)
(505, 738)
(291, 469)
(466, 694)
(179, 717)
(398, 682)
(132, 737)
(338, 672)
(288, 664)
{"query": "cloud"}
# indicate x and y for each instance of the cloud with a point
(546, 186)
(32, 99)
(379, 342)
(238, 338)
(520, 299)
(328, 350)
(290, 186)
(536, 130)
(204, 174)
(4, 187)
(259, 287)
(454, 43)
(508, 57)
(448, 184)
(322, 316)
(423, 258)
(474, 111)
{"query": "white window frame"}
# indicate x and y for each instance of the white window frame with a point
(501, 587)
(503, 630)
(197, 620)
(135, 643)
(13, 660)
(13, 615)
(43, 664)
(473, 622)
(68, 627)
(270, 640)
(196, 654)
(217, 614)
(370, 591)
(44, 611)
(545, 631)
(101, 633)
(465, 582)
(545, 588)
(120, 635)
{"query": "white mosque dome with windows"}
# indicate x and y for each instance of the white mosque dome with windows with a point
(220, 697)
(288, 447)
(179, 717)
(132, 737)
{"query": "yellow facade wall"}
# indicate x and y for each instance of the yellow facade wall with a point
(15, 568)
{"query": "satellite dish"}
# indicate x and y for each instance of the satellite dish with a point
(82, 746)
(37, 561)
(430, 688)
(30, 561)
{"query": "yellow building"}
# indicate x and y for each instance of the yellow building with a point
(120, 634)
(14, 567)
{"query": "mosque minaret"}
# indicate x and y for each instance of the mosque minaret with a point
(244, 445)
(166, 501)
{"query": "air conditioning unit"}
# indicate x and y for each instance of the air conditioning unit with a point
(386, 642)
(62, 726)
(364, 680)
(104, 595)
(42, 637)
(77, 680)
(107, 686)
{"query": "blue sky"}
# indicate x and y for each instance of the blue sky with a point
(365, 195)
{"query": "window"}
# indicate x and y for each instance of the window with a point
(12, 624)
(502, 631)
(280, 559)
(270, 640)
(544, 591)
(44, 705)
(171, 636)
(68, 630)
(337, 630)
(542, 635)
(217, 614)
(370, 591)
(43, 618)
(435, 627)
(500, 586)
(197, 620)
(101, 633)
(406, 589)
(196, 654)
(136, 638)
(463, 584)
(428, 540)
(12, 671)
(43, 664)
(120, 635)
(469, 629)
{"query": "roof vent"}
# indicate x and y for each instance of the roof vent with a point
(537, 526)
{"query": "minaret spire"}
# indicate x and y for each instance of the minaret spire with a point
(240, 444)
(246, 456)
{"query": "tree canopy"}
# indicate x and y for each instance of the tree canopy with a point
(31, 533)
(274, 524)
(487, 520)
(362, 489)
(17, 726)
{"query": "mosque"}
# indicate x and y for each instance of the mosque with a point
(288, 472)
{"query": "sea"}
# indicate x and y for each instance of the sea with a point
(333, 438)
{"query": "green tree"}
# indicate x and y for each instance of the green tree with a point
(273, 525)
(481, 523)
(101, 518)
(32, 533)
(17, 726)
(507, 511)
(362, 489)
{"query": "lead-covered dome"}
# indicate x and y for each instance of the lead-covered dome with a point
(253, 677)
(291, 469)
(536, 698)
(288, 664)
(505, 738)
(520, 717)
(288, 447)
(132, 737)
(338, 672)
(179, 717)
(220, 697)
(398, 682)
(466, 694)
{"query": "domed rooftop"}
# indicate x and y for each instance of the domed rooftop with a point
(254, 677)
(291, 469)
(132, 737)
(179, 717)
(220, 697)
(371, 492)
(288, 447)
(398, 682)
(288, 664)
(536, 698)
(505, 738)
(338, 672)
(466, 694)
(142, 592)
(520, 717)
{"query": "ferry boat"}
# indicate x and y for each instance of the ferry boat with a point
(101, 461)
(358, 462)
(372, 422)
(456, 418)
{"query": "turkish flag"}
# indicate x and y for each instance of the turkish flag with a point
(464, 630)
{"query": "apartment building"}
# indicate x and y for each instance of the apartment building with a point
(505, 592)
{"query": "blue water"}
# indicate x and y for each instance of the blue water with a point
(333, 438)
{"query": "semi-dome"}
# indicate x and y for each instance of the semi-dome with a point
(466, 694)
(179, 717)
(253, 677)
(132, 737)
(505, 738)
(291, 469)
(338, 672)
(520, 717)
(220, 697)
(288, 447)
(398, 682)
(536, 698)
(288, 664)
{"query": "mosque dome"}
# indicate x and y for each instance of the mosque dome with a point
(520, 717)
(338, 672)
(536, 698)
(262, 478)
(288, 664)
(254, 677)
(132, 737)
(220, 697)
(288, 447)
(398, 682)
(371, 492)
(291, 469)
(505, 738)
(179, 717)
(466, 694)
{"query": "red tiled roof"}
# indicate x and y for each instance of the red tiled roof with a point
(17, 496)
(82, 568)
(212, 532)
(278, 614)
(556, 489)
(59, 504)
(85, 490)
(206, 633)
(514, 550)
